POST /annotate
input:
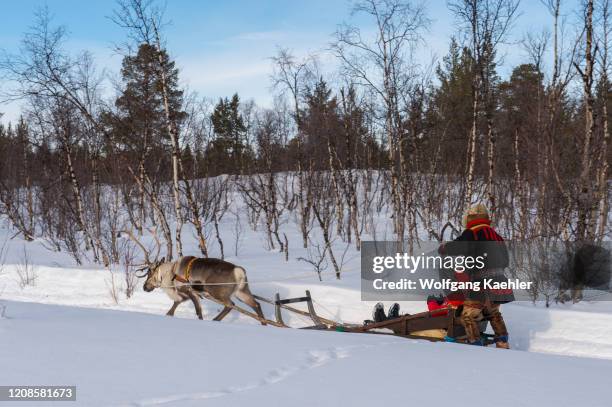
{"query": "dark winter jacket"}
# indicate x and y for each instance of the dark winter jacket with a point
(479, 239)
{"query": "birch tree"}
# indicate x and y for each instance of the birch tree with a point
(144, 23)
(486, 24)
(384, 65)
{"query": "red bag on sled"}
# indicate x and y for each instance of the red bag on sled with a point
(442, 303)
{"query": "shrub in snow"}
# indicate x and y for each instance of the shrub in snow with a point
(26, 271)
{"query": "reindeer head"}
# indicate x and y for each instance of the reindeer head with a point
(151, 266)
(153, 275)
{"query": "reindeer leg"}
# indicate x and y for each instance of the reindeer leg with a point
(196, 303)
(224, 312)
(170, 312)
(184, 297)
(248, 299)
(259, 312)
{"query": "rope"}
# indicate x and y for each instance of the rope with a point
(329, 313)
(306, 320)
(292, 278)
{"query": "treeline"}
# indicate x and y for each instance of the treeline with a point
(386, 136)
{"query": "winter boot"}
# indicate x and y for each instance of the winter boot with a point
(471, 315)
(393, 311)
(379, 313)
(501, 342)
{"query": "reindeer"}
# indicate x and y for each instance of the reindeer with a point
(191, 278)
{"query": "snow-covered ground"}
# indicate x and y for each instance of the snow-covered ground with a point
(135, 359)
(66, 328)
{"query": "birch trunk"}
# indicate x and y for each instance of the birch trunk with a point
(353, 208)
(28, 189)
(76, 192)
(195, 212)
(585, 194)
(174, 139)
(471, 155)
(603, 170)
(491, 165)
(98, 211)
(141, 197)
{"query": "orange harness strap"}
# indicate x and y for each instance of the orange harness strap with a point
(185, 278)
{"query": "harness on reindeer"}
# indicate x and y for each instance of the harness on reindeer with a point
(187, 273)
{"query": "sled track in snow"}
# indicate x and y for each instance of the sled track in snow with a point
(314, 359)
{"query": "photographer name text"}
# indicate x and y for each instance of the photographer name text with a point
(450, 285)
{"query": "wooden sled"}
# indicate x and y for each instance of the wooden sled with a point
(439, 325)
(282, 304)
(242, 311)
(319, 322)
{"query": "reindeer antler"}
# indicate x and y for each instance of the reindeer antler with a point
(147, 258)
(157, 242)
(139, 243)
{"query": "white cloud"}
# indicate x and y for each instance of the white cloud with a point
(224, 75)
(10, 112)
(241, 63)
(259, 36)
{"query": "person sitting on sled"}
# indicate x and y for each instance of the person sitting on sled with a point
(480, 239)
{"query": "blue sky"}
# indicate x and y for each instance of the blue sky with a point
(224, 46)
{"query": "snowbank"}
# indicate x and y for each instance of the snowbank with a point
(134, 359)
